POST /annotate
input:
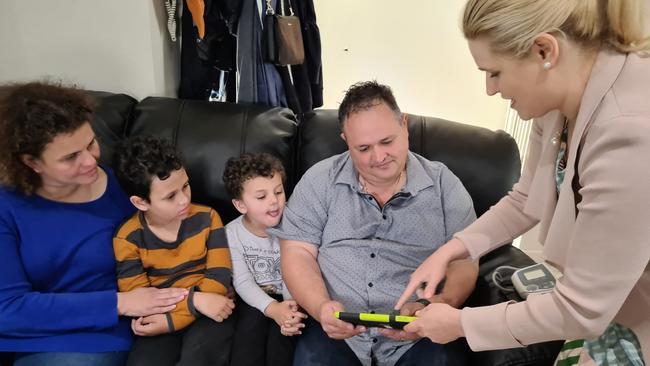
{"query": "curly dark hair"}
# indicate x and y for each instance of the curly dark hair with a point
(31, 116)
(249, 166)
(365, 95)
(138, 159)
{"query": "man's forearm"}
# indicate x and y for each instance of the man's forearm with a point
(303, 277)
(460, 282)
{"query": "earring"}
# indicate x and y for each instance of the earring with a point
(547, 65)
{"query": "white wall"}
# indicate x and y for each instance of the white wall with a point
(122, 46)
(116, 45)
(414, 46)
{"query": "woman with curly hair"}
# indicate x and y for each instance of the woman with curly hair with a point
(58, 212)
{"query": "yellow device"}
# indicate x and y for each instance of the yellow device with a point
(375, 320)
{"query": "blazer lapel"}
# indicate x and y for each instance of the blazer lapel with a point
(603, 75)
(542, 200)
(542, 194)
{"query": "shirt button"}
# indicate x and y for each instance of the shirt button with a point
(370, 284)
(372, 255)
(384, 216)
(374, 340)
(369, 198)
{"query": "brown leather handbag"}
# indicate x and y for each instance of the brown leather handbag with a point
(283, 37)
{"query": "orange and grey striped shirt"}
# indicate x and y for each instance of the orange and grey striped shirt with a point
(198, 260)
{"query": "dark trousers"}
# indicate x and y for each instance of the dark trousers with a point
(70, 359)
(204, 342)
(314, 347)
(258, 341)
(6, 358)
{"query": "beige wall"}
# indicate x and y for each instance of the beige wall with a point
(414, 46)
(116, 45)
(123, 46)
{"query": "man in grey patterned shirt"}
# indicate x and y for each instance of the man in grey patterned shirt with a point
(358, 224)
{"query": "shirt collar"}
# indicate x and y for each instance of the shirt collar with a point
(417, 178)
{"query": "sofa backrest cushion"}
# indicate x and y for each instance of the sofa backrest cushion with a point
(487, 162)
(109, 122)
(208, 134)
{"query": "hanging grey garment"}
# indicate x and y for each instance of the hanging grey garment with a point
(246, 69)
(257, 82)
(270, 89)
(170, 8)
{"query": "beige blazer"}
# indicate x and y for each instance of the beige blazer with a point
(604, 248)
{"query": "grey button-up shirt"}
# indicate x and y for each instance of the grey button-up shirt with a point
(367, 253)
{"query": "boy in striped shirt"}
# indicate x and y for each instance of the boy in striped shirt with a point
(171, 242)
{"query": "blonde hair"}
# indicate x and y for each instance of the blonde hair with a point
(513, 25)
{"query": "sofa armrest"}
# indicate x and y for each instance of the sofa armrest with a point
(541, 354)
(488, 294)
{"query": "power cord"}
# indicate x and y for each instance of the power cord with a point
(502, 278)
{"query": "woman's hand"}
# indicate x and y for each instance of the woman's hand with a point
(409, 309)
(145, 301)
(438, 322)
(432, 271)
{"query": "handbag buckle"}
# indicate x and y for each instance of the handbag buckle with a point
(269, 8)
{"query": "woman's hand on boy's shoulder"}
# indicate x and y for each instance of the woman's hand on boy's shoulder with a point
(215, 306)
(145, 301)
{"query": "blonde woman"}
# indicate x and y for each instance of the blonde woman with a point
(578, 67)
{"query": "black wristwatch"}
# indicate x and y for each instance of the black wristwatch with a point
(424, 302)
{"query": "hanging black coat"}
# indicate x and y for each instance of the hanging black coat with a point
(202, 60)
(306, 92)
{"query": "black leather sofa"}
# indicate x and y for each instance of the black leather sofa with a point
(208, 134)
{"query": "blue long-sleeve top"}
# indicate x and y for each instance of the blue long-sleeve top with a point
(57, 273)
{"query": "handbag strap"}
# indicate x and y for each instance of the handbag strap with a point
(270, 11)
(290, 8)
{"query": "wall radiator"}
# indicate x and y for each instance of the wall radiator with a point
(520, 131)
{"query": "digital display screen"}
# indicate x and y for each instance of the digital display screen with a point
(532, 275)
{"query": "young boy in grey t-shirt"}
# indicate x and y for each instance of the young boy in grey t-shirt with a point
(267, 316)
